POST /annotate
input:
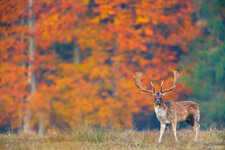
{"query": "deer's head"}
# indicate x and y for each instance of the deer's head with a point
(157, 95)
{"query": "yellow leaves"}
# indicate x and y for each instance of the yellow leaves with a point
(122, 19)
(155, 22)
(128, 84)
(96, 19)
(106, 10)
(86, 2)
(55, 18)
(142, 19)
(117, 22)
(90, 36)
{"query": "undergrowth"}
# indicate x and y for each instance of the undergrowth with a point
(97, 138)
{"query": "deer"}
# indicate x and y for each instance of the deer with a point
(171, 112)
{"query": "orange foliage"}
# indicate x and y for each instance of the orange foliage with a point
(12, 80)
(118, 38)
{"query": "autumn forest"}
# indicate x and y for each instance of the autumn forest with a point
(64, 63)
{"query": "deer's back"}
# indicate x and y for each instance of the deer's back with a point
(182, 109)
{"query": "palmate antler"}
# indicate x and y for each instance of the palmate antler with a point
(137, 81)
(176, 76)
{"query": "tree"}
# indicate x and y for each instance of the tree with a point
(13, 85)
(204, 64)
(114, 39)
(144, 37)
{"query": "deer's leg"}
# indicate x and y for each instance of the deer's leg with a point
(162, 128)
(196, 127)
(174, 126)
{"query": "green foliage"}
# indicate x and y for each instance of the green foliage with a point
(205, 64)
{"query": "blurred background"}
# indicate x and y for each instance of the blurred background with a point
(64, 63)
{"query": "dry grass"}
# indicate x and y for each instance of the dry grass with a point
(88, 138)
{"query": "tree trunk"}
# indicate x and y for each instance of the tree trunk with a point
(41, 128)
(115, 68)
(31, 74)
(76, 55)
(20, 128)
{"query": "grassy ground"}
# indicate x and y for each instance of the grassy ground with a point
(91, 139)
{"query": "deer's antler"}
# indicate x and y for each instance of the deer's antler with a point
(176, 76)
(137, 81)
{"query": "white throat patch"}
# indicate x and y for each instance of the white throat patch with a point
(161, 114)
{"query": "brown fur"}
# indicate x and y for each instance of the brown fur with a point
(181, 110)
(174, 112)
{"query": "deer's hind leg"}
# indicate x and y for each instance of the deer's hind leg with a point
(196, 128)
(192, 120)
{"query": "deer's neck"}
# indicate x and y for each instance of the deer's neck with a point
(161, 111)
(161, 106)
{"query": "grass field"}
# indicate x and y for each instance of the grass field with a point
(88, 138)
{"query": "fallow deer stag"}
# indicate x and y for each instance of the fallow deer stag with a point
(172, 112)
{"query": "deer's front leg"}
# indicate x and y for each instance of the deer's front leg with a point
(174, 126)
(162, 128)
